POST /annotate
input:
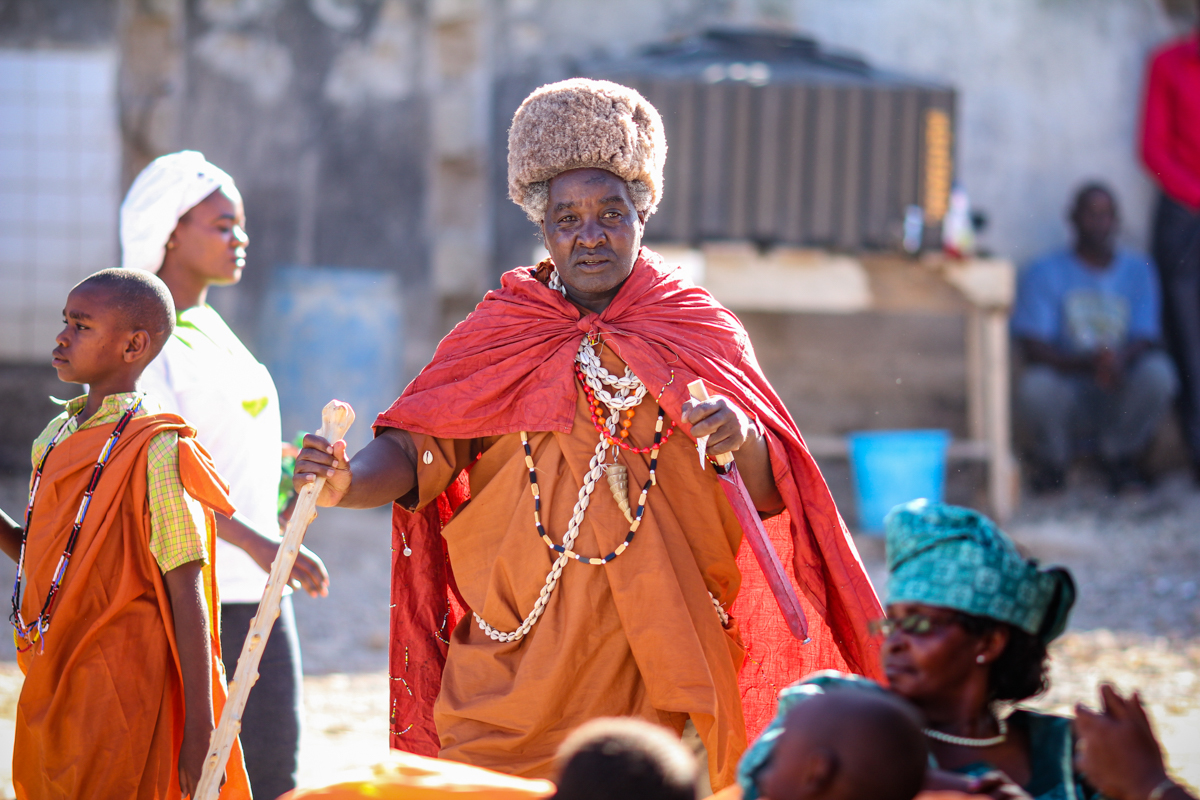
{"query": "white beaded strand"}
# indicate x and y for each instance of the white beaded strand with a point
(595, 470)
(628, 392)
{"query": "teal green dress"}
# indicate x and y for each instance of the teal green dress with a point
(1051, 743)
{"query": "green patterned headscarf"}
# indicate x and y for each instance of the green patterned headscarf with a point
(953, 557)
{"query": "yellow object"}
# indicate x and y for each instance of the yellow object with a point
(413, 777)
(256, 406)
(939, 164)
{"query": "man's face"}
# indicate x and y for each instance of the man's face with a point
(95, 339)
(1095, 220)
(593, 234)
(209, 242)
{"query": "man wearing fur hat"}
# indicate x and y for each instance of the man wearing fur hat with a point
(559, 552)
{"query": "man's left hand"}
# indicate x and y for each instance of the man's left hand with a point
(726, 426)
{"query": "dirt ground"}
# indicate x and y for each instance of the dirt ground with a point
(1137, 622)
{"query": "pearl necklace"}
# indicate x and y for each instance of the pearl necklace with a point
(963, 741)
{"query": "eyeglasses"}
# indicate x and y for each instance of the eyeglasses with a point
(917, 624)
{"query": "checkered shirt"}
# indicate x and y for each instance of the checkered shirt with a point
(177, 524)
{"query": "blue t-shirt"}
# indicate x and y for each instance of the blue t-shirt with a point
(1080, 309)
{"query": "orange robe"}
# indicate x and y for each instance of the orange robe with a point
(101, 712)
(637, 637)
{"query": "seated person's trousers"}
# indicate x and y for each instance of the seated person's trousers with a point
(1066, 410)
(1177, 254)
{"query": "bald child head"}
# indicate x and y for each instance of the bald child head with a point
(847, 745)
(627, 758)
(140, 300)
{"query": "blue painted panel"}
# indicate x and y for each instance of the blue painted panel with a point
(333, 332)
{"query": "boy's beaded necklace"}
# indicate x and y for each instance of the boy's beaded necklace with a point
(35, 631)
(618, 394)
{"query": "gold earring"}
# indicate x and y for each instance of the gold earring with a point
(170, 245)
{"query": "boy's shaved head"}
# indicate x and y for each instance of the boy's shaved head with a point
(627, 758)
(848, 744)
(142, 300)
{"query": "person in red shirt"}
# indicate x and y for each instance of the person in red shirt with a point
(1171, 152)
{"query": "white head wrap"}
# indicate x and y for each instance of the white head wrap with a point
(169, 187)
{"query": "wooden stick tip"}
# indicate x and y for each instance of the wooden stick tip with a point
(336, 419)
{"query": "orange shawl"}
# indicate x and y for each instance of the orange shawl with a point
(101, 712)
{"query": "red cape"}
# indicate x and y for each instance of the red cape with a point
(508, 367)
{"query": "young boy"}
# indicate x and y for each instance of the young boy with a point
(114, 598)
(847, 744)
(627, 758)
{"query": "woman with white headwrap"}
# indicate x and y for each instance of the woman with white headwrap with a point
(183, 219)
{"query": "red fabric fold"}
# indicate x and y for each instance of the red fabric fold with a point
(508, 367)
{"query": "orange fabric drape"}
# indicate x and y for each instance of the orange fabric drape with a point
(101, 712)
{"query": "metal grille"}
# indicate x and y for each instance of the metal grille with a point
(786, 156)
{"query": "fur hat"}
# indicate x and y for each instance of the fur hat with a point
(585, 123)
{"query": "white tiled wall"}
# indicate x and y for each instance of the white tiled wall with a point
(60, 158)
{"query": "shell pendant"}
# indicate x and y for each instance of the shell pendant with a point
(618, 484)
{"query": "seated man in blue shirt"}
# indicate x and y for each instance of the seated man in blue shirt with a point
(1087, 322)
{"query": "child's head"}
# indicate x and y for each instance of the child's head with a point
(115, 322)
(847, 745)
(626, 758)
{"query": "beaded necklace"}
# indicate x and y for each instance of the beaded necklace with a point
(35, 631)
(596, 408)
(963, 741)
(619, 394)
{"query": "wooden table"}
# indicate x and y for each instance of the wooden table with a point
(789, 280)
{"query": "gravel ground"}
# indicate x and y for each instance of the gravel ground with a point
(1137, 622)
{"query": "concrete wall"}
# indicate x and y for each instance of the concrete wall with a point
(1050, 95)
(1049, 90)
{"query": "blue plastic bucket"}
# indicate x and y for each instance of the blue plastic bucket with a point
(893, 467)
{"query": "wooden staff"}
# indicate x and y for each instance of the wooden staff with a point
(336, 419)
(753, 531)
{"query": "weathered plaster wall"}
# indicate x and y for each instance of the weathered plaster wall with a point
(316, 108)
(55, 23)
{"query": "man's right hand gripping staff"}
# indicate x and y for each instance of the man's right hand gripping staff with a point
(382, 472)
